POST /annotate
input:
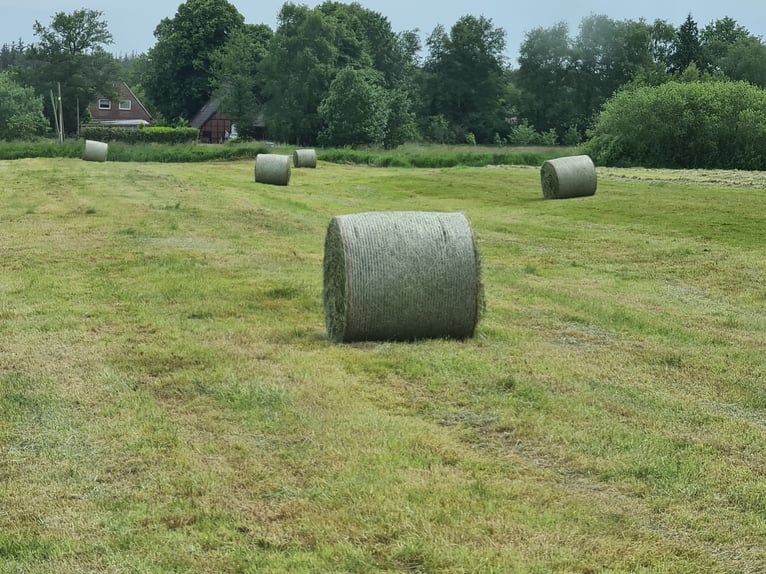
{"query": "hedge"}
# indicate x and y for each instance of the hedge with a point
(162, 135)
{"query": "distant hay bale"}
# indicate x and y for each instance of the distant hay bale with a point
(95, 151)
(401, 276)
(272, 169)
(567, 177)
(305, 158)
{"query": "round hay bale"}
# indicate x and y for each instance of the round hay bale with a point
(567, 177)
(273, 169)
(95, 151)
(401, 276)
(305, 158)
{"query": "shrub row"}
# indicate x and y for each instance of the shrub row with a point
(393, 159)
(160, 135)
(119, 151)
(711, 125)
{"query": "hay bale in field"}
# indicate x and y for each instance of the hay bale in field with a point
(273, 169)
(401, 276)
(305, 158)
(95, 151)
(567, 177)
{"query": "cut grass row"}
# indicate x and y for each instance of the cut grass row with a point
(170, 402)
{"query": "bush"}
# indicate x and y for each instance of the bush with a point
(523, 134)
(21, 111)
(713, 125)
(159, 135)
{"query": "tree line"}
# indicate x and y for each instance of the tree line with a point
(339, 75)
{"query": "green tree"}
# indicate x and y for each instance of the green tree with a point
(12, 55)
(546, 92)
(21, 111)
(235, 75)
(71, 52)
(687, 47)
(297, 71)
(178, 78)
(718, 37)
(745, 60)
(311, 46)
(607, 54)
(466, 71)
(355, 111)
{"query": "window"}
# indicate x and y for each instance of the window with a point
(125, 105)
(104, 104)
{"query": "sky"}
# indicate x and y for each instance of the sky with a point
(132, 22)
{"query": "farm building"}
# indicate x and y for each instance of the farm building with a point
(214, 125)
(123, 110)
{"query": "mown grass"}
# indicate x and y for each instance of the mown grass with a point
(169, 402)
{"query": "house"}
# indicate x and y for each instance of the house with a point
(213, 125)
(124, 110)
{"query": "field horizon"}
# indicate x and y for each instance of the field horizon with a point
(169, 400)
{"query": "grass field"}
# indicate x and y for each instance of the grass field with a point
(169, 401)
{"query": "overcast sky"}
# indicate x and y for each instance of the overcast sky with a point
(132, 22)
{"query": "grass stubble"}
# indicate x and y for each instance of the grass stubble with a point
(169, 401)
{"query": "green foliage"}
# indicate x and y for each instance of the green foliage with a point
(21, 111)
(683, 125)
(435, 157)
(355, 111)
(119, 151)
(545, 63)
(158, 134)
(571, 137)
(70, 53)
(310, 47)
(437, 130)
(179, 71)
(236, 78)
(466, 76)
(687, 47)
(524, 134)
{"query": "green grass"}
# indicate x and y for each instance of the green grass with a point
(169, 401)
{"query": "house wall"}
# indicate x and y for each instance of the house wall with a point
(136, 111)
(214, 130)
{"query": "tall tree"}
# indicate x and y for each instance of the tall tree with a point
(71, 52)
(543, 78)
(687, 47)
(312, 46)
(298, 70)
(718, 37)
(236, 78)
(607, 54)
(355, 111)
(178, 77)
(466, 69)
(12, 55)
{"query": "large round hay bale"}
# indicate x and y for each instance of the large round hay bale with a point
(273, 169)
(95, 151)
(305, 158)
(566, 177)
(401, 276)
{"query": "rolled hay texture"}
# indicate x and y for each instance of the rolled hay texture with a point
(273, 169)
(402, 275)
(567, 177)
(95, 151)
(305, 158)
